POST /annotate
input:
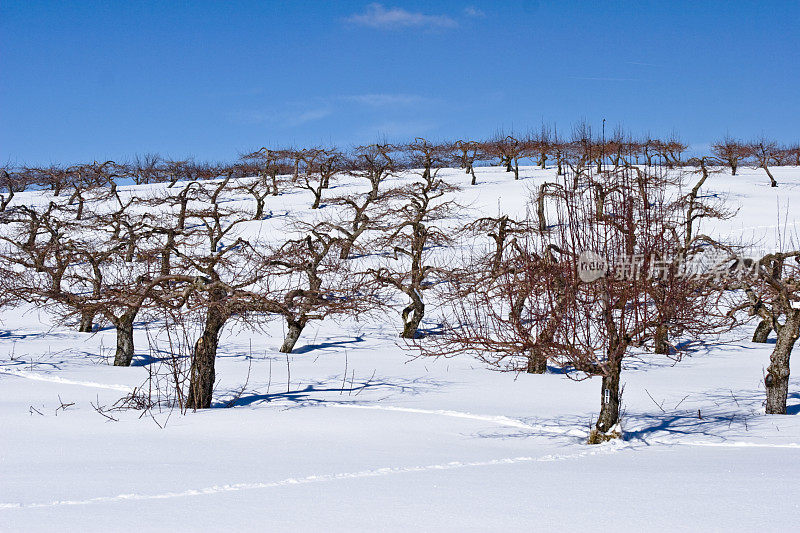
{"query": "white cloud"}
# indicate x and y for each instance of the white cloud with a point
(308, 116)
(383, 99)
(301, 112)
(474, 12)
(379, 16)
(285, 118)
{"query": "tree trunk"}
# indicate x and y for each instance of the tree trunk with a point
(662, 339)
(610, 398)
(166, 252)
(763, 330)
(540, 207)
(777, 378)
(259, 209)
(772, 182)
(202, 374)
(537, 362)
(295, 329)
(412, 316)
(86, 323)
(344, 253)
(124, 325)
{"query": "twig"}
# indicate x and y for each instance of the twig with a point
(63, 405)
(680, 402)
(99, 409)
(344, 376)
(288, 374)
(655, 402)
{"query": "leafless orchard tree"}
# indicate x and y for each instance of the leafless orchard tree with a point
(731, 151)
(671, 151)
(503, 231)
(509, 150)
(507, 318)
(375, 162)
(773, 295)
(272, 169)
(696, 206)
(311, 281)
(764, 153)
(542, 306)
(467, 153)
(12, 181)
(635, 299)
(146, 169)
(217, 274)
(358, 213)
(411, 240)
(320, 165)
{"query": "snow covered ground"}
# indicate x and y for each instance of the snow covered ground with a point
(351, 433)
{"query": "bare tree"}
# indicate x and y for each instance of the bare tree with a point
(319, 167)
(53, 177)
(503, 231)
(12, 181)
(357, 214)
(773, 295)
(313, 282)
(467, 153)
(542, 145)
(375, 163)
(509, 150)
(731, 151)
(764, 153)
(586, 293)
(411, 239)
(671, 151)
(146, 169)
(218, 275)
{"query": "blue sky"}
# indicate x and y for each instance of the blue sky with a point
(107, 80)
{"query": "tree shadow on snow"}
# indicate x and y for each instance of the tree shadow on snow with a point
(332, 391)
(327, 344)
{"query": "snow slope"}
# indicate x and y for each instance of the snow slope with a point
(400, 443)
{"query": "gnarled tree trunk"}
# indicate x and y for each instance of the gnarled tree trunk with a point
(202, 373)
(292, 335)
(124, 326)
(662, 339)
(763, 330)
(610, 397)
(87, 322)
(537, 362)
(772, 182)
(777, 378)
(412, 316)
